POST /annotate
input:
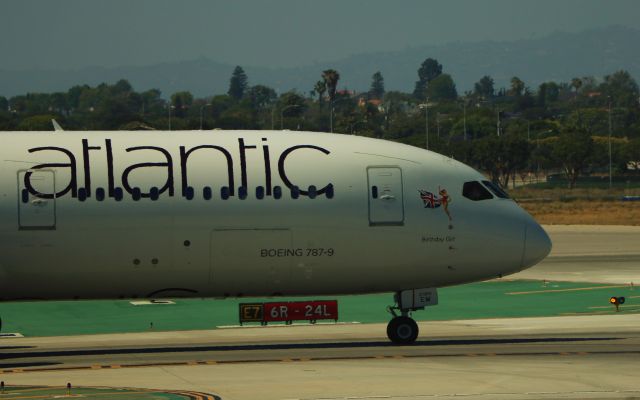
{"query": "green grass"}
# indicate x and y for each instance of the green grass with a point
(478, 300)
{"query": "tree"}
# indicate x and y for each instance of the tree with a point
(442, 88)
(573, 150)
(36, 123)
(59, 103)
(238, 83)
(377, 86)
(621, 88)
(122, 86)
(220, 104)
(4, 104)
(320, 88)
(152, 102)
(542, 159)
(484, 87)
(292, 105)
(429, 70)
(576, 84)
(331, 78)
(502, 156)
(548, 92)
(517, 87)
(181, 101)
(261, 96)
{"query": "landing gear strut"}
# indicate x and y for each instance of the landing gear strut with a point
(402, 329)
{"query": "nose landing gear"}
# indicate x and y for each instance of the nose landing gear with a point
(402, 329)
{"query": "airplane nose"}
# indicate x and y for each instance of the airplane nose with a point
(537, 245)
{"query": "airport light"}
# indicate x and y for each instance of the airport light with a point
(282, 114)
(617, 301)
(202, 114)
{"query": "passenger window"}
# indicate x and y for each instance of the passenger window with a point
(277, 192)
(189, 193)
(25, 196)
(136, 194)
(313, 192)
(242, 192)
(118, 194)
(260, 192)
(154, 193)
(207, 193)
(295, 192)
(224, 193)
(329, 191)
(475, 191)
(82, 194)
(100, 194)
(374, 192)
(496, 189)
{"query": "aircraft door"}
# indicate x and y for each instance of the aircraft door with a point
(36, 213)
(386, 205)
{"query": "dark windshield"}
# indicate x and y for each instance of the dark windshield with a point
(475, 191)
(495, 189)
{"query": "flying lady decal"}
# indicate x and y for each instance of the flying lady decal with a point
(431, 200)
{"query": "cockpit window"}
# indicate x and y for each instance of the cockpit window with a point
(496, 189)
(475, 191)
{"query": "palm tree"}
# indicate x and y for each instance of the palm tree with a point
(320, 88)
(331, 78)
(576, 84)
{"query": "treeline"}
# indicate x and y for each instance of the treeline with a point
(504, 131)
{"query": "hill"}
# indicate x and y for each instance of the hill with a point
(559, 57)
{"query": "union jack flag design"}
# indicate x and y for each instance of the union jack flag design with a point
(430, 200)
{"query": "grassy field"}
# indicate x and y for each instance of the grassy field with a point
(585, 212)
(495, 299)
(586, 205)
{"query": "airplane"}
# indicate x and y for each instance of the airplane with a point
(217, 214)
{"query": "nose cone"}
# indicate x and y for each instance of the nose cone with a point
(537, 245)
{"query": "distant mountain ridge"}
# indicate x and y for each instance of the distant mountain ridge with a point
(558, 57)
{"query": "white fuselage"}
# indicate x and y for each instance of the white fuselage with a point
(215, 214)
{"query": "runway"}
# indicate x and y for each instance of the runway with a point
(605, 254)
(578, 357)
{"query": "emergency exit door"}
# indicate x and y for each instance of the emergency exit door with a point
(386, 205)
(36, 213)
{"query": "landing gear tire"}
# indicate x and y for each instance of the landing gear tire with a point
(402, 330)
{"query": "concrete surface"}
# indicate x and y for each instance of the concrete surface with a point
(578, 357)
(583, 253)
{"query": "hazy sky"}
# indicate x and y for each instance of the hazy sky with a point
(77, 33)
